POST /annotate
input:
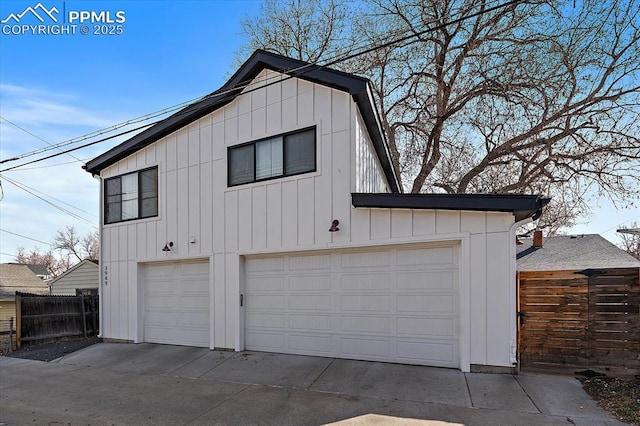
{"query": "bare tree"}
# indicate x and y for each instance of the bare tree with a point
(630, 242)
(70, 243)
(55, 265)
(536, 96)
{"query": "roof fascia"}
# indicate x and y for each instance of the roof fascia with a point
(521, 206)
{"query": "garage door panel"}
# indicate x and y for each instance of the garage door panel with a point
(310, 302)
(310, 282)
(265, 302)
(366, 282)
(365, 303)
(427, 281)
(426, 257)
(434, 327)
(310, 263)
(440, 303)
(316, 344)
(176, 303)
(365, 348)
(265, 283)
(395, 304)
(376, 259)
(264, 265)
(265, 320)
(365, 324)
(310, 322)
(440, 354)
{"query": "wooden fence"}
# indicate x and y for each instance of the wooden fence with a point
(44, 319)
(584, 319)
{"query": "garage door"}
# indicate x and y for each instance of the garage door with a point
(176, 303)
(397, 305)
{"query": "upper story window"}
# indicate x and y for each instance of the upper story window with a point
(131, 196)
(285, 155)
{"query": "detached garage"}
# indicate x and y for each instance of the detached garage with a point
(269, 216)
(396, 304)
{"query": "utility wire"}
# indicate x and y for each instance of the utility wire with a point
(36, 136)
(24, 236)
(296, 72)
(62, 209)
(46, 195)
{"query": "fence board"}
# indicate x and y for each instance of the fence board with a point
(49, 318)
(574, 320)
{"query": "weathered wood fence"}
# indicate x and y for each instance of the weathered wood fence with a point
(583, 319)
(44, 319)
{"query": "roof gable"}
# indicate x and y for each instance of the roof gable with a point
(86, 263)
(357, 87)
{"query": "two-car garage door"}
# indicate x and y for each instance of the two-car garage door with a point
(395, 304)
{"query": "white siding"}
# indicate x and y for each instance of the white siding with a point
(288, 214)
(84, 275)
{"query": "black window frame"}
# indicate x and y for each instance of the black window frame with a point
(139, 196)
(284, 157)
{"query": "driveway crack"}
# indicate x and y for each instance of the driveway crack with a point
(321, 373)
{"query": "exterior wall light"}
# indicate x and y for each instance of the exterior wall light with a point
(167, 246)
(334, 226)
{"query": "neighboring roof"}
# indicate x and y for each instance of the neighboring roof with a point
(572, 252)
(357, 87)
(73, 268)
(522, 206)
(16, 277)
(38, 269)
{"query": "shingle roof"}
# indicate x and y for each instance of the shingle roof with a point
(17, 277)
(572, 252)
(38, 269)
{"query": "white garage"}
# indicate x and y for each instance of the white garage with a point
(176, 303)
(397, 304)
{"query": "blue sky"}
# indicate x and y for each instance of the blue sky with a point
(63, 86)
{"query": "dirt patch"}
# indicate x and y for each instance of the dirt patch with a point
(619, 396)
(51, 351)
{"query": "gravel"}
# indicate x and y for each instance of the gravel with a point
(619, 396)
(51, 351)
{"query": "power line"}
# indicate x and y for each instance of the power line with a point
(24, 236)
(35, 136)
(295, 72)
(77, 148)
(48, 165)
(62, 209)
(46, 195)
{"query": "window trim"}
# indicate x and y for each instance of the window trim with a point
(139, 196)
(284, 156)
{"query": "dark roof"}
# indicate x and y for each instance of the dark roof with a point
(38, 269)
(18, 277)
(357, 87)
(522, 206)
(572, 252)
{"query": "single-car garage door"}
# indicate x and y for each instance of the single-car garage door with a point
(395, 304)
(176, 303)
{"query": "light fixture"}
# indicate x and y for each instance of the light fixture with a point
(334, 226)
(167, 246)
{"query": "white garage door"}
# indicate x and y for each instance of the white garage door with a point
(176, 303)
(397, 305)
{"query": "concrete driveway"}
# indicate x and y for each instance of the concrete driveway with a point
(111, 383)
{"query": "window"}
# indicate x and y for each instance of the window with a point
(285, 155)
(131, 196)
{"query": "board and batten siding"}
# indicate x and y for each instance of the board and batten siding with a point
(285, 215)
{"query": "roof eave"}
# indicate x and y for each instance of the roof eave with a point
(521, 206)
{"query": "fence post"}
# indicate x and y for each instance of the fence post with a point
(84, 316)
(94, 321)
(11, 334)
(18, 320)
